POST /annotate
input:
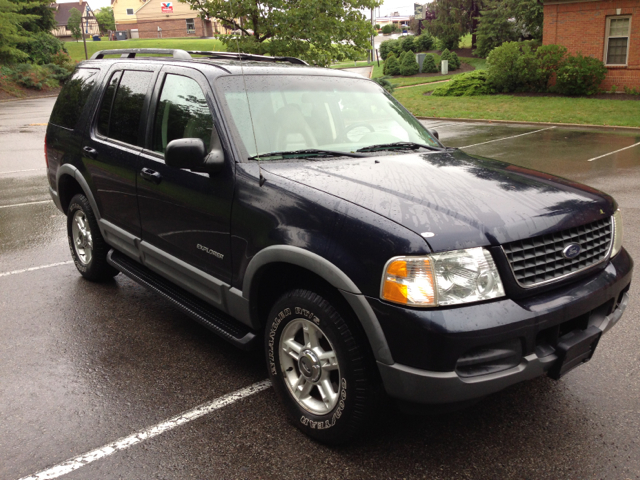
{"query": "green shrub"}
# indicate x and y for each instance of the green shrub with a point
(409, 65)
(42, 47)
(454, 60)
(448, 42)
(429, 64)
(513, 67)
(631, 91)
(385, 83)
(466, 84)
(387, 62)
(407, 44)
(389, 46)
(33, 76)
(393, 66)
(550, 58)
(579, 75)
(387, 29)
(424, 42)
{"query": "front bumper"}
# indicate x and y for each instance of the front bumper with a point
(426, 345)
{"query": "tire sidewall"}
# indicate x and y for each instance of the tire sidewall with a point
(75, 206)
(330, 426)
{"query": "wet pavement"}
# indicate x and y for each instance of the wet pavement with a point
(84, 364)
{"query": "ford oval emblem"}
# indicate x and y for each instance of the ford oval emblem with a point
(571, 251)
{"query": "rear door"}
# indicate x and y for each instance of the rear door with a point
(183, 213)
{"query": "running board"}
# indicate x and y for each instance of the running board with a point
(218, 322)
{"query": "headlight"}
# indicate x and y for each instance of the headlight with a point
(617, 233)
(449, 278)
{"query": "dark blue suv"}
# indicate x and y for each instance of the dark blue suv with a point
(305, 210)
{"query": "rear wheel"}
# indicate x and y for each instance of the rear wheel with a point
(88, 248)
(320, 367)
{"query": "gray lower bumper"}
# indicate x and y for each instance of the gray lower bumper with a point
(426, 387)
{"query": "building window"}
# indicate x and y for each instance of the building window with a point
(129, 11)
(617, 44)
(191, 25)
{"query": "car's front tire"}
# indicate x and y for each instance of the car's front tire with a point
(320, 367)
(88, 248)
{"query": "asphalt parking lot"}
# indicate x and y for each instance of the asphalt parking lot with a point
(83, 365)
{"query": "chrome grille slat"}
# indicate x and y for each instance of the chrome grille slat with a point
(539, 260)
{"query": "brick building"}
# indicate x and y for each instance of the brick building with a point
(608, 30)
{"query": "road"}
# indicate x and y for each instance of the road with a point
(83, 365)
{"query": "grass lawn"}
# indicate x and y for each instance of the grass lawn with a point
(624, 113)
(76, 49)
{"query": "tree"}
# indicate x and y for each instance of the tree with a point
(106, 20)
(429, 64)
(43, 19)
(387, 29)
(317, 30)
(506, 21)
(75, 23)
(451, 19)
(409, 65)
(11, 33)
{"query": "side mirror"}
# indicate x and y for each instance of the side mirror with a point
(191, 153)
(434, 133)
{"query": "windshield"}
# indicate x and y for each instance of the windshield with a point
(295, 112)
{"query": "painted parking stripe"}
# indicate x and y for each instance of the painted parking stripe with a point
(15, 272)
(23, 204)
(507, 138)
(611, 153)
(133, 439)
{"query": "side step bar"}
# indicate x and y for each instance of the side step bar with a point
(218, 322)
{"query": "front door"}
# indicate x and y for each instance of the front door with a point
(183, 213)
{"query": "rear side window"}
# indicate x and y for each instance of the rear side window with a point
(119, 116)
(73, 97)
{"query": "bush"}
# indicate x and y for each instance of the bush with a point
(448, 42)
(42, 47)
(407, 44)
(579, 75)
(452, 58)
(429, 64)
(387, 29)
(389, 46)
(385, 66)
(409, 65)
(466, 84)
(385, 83)
(424, 42)
(393, 66)
(35, 76)
(550, 58)
(513, 67)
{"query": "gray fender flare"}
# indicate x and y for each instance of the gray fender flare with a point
(68, 169)
(335, 277)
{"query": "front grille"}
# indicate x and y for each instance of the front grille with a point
(539, 260)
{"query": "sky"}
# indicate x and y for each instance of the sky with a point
(404, 7)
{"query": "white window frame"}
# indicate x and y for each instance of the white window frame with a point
(606, 43)
(130, 10)
(194, 25)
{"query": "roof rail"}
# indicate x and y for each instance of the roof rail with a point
(132, 52)
(248, 56)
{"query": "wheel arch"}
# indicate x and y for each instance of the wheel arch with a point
(311, 270)
(70, 182)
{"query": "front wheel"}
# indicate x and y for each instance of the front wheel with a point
(320, 367)
(88, 248)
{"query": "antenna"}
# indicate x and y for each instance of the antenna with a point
(262, 180)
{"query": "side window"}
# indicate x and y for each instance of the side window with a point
(74, 95)
(120, 119)
(182, 113)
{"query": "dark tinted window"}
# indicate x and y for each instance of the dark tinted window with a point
(182, 113)
(72, 98)
(124, 120)
(105, 106)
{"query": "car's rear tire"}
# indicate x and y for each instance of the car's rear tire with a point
(320, 367)
(88, 248)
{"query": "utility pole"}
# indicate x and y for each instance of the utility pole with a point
(373, 42)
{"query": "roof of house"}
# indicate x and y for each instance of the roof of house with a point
(63, 11)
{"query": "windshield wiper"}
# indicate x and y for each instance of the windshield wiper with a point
(398, 146)
(306, 152)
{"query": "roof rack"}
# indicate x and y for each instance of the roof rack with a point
(248, 56)
(132, 52)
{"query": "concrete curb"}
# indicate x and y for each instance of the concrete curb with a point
(546, 124)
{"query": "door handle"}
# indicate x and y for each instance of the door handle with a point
(151, 175)
(91, 152)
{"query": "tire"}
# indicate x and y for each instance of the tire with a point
(88, 248)
(320, 367)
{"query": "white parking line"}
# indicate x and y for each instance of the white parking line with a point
(507, 138)
(6, 274)
(126, 442)
(611, 153)
(23, 204)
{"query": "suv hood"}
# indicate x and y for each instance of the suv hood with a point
(454, 200)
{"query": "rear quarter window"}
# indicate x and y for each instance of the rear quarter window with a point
(73, 97)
